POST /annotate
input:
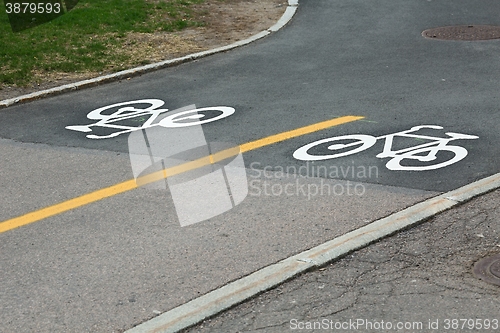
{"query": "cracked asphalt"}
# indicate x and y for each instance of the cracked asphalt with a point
(420, 276)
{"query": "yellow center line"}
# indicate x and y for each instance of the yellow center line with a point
(162, 174)
(296, 132)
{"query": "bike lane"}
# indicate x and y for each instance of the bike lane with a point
(290, 80)
(300, 76)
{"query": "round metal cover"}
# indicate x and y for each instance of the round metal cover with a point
(488, 269)
(464, 32)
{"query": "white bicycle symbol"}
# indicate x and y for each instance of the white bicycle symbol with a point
(127, 111)
(424, 153)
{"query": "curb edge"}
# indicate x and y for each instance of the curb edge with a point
(285, 18)
(236, 292)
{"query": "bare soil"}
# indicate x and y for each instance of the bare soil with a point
(225, 22)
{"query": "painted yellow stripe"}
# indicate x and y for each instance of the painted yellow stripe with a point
(225, 154)
(133, 184)
(67, 205)
(296, 132)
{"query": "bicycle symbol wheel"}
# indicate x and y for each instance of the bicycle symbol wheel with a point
(366, 141)
(194, 117)
(128, 110)
(395, 163)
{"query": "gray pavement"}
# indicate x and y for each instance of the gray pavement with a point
(113, 264)
(420, 278)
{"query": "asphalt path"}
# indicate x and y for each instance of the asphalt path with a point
(112, 264)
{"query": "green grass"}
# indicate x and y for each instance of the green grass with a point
(83, 39)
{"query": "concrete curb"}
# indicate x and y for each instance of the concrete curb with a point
(240, 290)
(285, 18)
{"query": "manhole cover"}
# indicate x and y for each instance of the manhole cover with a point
(488, 269)
(464, 32)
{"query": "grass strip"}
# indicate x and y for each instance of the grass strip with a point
(88, 38)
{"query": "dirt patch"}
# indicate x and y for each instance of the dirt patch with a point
(225, 21)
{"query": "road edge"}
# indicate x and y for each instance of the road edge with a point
(238, 291)
(125, 74)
